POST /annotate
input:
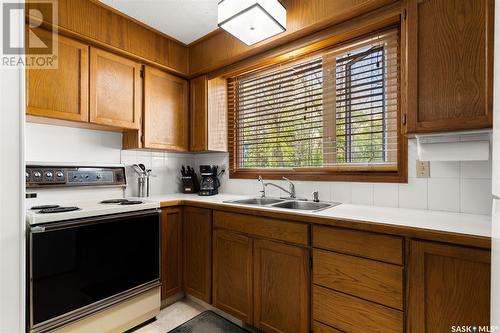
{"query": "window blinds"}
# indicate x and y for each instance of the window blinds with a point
(336, 108)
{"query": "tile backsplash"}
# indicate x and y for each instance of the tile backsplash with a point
(452, 186)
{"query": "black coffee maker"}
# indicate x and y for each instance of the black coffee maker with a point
(209, 180)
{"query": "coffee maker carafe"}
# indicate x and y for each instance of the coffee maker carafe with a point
(209, 180)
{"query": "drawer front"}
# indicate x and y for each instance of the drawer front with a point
(354, 315)
(322, 328)
(263, 227)
(372, 280)
(360, 243)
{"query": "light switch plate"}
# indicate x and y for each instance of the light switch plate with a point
(423, 169)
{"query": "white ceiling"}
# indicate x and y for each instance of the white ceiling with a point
(184, 20)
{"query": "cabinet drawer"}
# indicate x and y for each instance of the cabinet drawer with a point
(361, 243)
(372, 280)
(263, 227)
(322, 328)
(354, 315)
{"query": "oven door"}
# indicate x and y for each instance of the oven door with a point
(79, 267)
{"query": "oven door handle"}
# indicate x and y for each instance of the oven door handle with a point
(37, 230)
(67, 224)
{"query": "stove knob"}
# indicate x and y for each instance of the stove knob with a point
(27, 176)
(59, 174)
(37, 174)
(49, 174)
(98, 176)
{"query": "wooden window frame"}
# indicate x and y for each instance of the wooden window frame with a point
(390, 17)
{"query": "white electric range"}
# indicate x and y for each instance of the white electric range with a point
(93, 255)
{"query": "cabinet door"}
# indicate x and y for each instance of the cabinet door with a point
(60, 93)
(197, 231)
(448, 285)
(166, 113)
(281, 287)
(450, 57)
(199, 114)
(115, 90)
(171, 252)
(232, 275)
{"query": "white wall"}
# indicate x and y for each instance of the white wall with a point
(12, 228)
(47, 143)
(453, 186)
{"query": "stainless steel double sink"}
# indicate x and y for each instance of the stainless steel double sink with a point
(286, 203)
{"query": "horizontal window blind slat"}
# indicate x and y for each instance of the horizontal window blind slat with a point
(338, 108)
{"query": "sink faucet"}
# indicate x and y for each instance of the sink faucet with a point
(263, 191)
(291, 187)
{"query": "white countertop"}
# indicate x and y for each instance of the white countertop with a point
(469, 224)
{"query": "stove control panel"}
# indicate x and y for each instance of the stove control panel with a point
(52, 176)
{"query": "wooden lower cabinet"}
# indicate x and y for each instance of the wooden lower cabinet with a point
(448, 285)
(171, 252)
(355, 315)
(232, 274)
(197, 246)
(281, 287)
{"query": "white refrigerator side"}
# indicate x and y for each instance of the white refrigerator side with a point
(495, 260)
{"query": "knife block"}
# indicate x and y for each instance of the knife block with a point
(190, 184)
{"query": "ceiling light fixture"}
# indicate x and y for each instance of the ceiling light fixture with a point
(252, 21)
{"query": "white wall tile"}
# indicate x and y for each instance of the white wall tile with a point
(476, 169)
(362, 193)
(386, 195)
(444, 194)
(453, 186)
(445, 169)
(412, 158)
(305, 189)
(476, 196)
(341, 192)
(413, 194)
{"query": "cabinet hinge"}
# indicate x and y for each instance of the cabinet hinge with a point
(310, 262)
(142, 73)
(404, 14)
(142, 138)
(404, 119)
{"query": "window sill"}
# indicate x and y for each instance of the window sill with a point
(379, 176)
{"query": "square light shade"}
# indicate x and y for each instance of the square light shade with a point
(252, 21)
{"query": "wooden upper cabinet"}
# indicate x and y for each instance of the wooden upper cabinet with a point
(281, 287)
(166, 111)
(448, 285)
(450, 65)
(199, 114)
(232, 274)
(208, 114)
(197, 244)
(171, 252)
(60, 93)
(115, 90)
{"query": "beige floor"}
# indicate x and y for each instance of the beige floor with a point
(172, 316)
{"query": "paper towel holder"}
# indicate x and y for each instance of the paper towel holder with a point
(455, 146)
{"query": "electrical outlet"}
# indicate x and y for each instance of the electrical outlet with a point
(423, 169)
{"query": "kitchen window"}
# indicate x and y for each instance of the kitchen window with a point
(330, 114)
